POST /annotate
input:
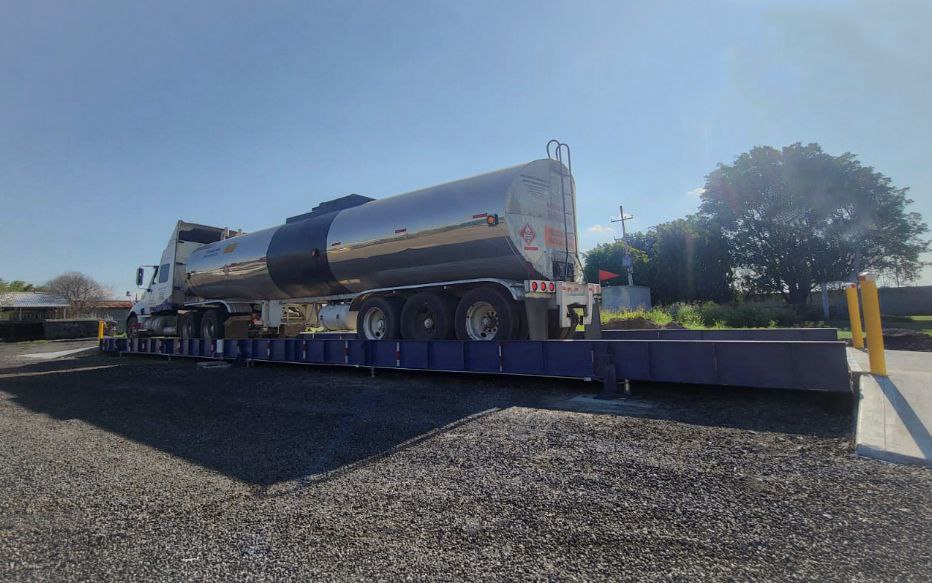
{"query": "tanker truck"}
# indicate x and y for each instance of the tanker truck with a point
(492, 257)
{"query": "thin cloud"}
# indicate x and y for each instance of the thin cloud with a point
(699, 191)
(601, 229)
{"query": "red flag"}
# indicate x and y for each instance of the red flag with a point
(603, 275)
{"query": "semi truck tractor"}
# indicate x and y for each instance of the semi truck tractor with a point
(493, 257)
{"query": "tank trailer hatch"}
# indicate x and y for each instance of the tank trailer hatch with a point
(331, 206)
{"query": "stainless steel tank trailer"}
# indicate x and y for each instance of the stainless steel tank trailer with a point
(492, 257)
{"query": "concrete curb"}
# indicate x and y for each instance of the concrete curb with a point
(882, 431)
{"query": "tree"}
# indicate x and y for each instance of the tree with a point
(690, 262)
(17, 285)
(798, 217)
(682, 260)
(610, 257)
(80, 290)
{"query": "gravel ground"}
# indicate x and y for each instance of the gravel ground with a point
(128, 468)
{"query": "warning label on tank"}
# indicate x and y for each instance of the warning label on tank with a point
(527, 233)
(554, 237)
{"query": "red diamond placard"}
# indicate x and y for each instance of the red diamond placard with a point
(527, 233)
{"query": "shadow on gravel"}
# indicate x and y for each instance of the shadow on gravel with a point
(259, 425)
(270, 424)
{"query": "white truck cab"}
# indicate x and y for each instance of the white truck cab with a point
(164, 285)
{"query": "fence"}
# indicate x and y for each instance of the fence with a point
(894, 301)
(15, 331)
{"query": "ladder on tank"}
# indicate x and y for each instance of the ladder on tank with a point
(559, 150)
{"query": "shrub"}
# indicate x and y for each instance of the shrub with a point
(712, 315)
(657, 315)
(687, 315)
(749, 315)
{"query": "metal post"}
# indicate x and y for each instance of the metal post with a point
(825, 309)
(872, 323)
(606, 366)
(624, 237)
(854, 315)
(624, 234)
(100, 330)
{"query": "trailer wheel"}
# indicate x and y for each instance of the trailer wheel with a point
(487, 313)
(189, 325)
(379, 319)
(212, 324)
(428, 316)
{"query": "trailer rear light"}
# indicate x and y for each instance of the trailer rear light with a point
(540, 286)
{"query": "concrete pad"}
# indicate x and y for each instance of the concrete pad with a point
(593, 404)
(214, 365)
(895, 412)
(57, 354)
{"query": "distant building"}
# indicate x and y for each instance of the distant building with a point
(624, 298)
(41, 306)
(31, 306)
(112, 311)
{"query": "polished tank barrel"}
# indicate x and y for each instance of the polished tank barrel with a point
(518, 223)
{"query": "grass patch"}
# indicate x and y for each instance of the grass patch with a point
(919, 323)
(657, 316)
(711, 316)
(752, 315)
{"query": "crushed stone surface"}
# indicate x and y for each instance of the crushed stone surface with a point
(117, 468)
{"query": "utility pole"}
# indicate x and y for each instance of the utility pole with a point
(627, 261)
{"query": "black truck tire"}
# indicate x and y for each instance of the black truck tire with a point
(212, 324)
(487, 313)
(428, 316)
(189, 325)
(379, 319)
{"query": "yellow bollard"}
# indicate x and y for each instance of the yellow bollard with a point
(100, 329)
(872, 323)
(854, 314)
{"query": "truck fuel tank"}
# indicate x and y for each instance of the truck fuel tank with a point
(336, 317)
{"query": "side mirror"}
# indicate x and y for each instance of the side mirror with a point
(140, 274)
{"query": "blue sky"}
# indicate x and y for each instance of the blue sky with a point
(118, 118)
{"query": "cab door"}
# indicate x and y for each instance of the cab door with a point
(161, 285)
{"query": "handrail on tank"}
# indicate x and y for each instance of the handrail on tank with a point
(557, 155)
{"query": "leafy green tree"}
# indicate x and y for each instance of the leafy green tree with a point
(690, 261)
(682, 260)
(797, 217)
(610, 257)
(16, 285)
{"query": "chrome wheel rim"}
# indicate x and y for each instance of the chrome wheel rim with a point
(374, 324)
(481, 321)
(426, 321)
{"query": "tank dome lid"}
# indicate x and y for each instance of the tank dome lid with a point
(331, 206)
